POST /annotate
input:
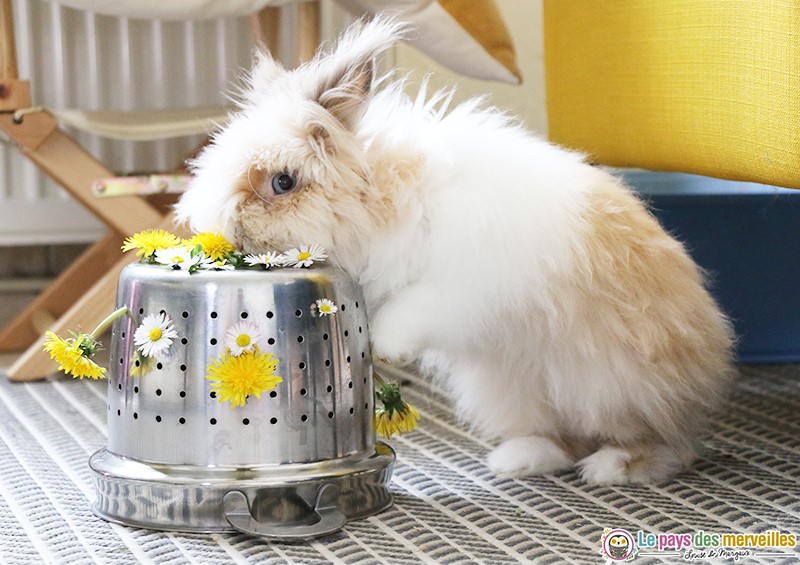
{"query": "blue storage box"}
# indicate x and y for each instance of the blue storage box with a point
(747, 236)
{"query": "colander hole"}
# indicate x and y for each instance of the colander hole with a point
(122, 335)
(213, 421)
(158, 392)
(158, 418)
(327, 362)
(270, 314)
(246, 421)
(181, 420)
(121, 361)
(141, 311)
(365, 380)
(329, 389)
(356, 304)
(363, 354)
(300, 339)
(135, 416)
(213, 394)
(348, 358)
(350, 384)
(159, 366)
(346, 333)
(366, 406)
(244, 315)
(360, 329)
(344, 307)
(119, 413)
(213, 314)
(303, 418)
(183, 367)
(330, 415)
(213, 341)
(325, 337)
(119, 386)
(352, 410)
(271, 341)
(298, 313)
(162, 312)
(183, 394)
(136, 390)
(273, 421)
(272, 394)
(136, 363)
(185, 314)
(184, 341)
(301, 365)
(303, 392)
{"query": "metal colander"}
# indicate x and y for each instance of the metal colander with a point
(297, 462)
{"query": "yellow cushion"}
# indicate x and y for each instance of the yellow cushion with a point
(703, 86)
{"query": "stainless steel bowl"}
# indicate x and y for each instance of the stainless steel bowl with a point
(296, 463)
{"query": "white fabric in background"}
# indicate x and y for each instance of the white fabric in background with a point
(145, 125)
(172, 9)
(436, 33)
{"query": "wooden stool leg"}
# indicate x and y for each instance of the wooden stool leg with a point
(308, 36)
(62, 293)
(88, 311)
(58, 155)
(265, 27)
(14, 93)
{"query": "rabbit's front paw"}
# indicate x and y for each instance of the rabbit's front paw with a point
(531, 455)
(394, 339)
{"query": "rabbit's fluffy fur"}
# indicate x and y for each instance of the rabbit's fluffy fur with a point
(561, 317)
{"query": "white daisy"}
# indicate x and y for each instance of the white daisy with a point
(264, 260)
(305, 256)
(178, 258)
(154, 335)
(242, 336)
(325, 307)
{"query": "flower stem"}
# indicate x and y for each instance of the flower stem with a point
(103, 326)
(378, 378)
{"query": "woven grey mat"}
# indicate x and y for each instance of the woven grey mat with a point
(448, 507)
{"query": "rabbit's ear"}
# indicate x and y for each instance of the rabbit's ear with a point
(342, 79)
(346, 97)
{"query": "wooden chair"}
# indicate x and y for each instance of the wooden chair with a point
(83, 294)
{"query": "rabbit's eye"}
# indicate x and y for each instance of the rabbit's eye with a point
(283, 183)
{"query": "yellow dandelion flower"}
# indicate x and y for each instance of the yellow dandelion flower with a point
(396, 416)
(149, 241)
(214, 245)
(390, 422)
(235, 378)
(73, 355)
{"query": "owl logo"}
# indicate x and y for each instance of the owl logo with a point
(618, 545)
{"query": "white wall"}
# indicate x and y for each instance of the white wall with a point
(524, 20)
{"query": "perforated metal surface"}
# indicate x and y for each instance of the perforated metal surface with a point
(323, 409)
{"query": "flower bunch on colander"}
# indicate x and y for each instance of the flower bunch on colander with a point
(213, 252)
(242, 370)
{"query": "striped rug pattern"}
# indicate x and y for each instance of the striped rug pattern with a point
(448, 507)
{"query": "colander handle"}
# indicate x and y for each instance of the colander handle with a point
(331, 519)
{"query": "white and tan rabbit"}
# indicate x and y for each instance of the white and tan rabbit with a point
(561, 317)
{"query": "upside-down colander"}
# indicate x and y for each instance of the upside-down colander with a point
(298, 462)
